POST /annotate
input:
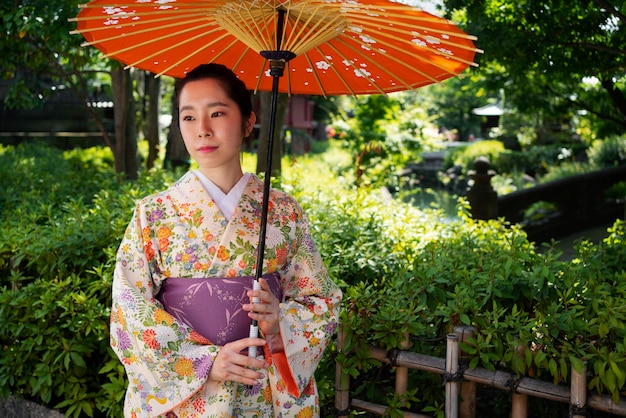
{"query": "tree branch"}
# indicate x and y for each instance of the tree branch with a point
(79, 92)
(612, 9)
(585, 106)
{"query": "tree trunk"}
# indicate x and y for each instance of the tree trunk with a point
(281, 112)
(152, 87)
(125, 147)
(176, 154)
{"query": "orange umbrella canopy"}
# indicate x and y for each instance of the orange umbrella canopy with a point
(330, 47)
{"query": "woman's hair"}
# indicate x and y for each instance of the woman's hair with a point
(233, 86)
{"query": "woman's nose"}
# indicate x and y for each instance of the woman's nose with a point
(204, 129)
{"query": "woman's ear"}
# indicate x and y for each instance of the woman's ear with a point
(249, 125)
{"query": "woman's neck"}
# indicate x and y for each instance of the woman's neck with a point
(224, 180)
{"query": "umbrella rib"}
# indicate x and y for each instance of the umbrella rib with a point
(160, 38)
(421, 35)
(236, 64)
(287, 74)
(258, 82)
(92, 5)
(322, 34)
(401, 62)
(129, 15)
(146, 30)
(265, 28)
(427, 37)
(201, 49)
(287, 41)
(351, 62)
(241, 27)
(275, 25)
(319, 82)
(413, 25)
(399, 11)
(386, 70)
(137, 23)
(188, 55)
(418, 56)
(407, 65)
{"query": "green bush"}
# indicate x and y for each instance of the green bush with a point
(609, 152)
(403, 270)
(537, 160)
(466, 155)
(489, 276)
(63, 217)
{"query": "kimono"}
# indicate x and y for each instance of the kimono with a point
(181, 233)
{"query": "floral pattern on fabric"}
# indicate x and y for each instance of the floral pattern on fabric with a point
(181, 232)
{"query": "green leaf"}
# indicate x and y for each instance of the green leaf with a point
(78, 359)
(577, 363)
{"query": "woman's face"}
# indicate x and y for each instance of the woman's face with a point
(212, 127)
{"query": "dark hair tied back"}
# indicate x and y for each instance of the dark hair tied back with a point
(234, 87)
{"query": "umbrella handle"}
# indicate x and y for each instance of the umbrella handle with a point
(254, 327)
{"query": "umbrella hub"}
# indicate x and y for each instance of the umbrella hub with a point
(278, 55)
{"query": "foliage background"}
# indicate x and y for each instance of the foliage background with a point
(60, 229)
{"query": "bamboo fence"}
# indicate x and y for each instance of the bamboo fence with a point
(460, 383)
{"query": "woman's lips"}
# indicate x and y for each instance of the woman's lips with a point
(207, 149)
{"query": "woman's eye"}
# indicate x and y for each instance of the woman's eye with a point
(216, 114)
(187, 118)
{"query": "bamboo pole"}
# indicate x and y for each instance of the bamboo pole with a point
(467, 404)
(342, 381)
(519, 405)
(402, 372)
(578, 399)
(606, 404)
(452, 367)
(519, 401)
(411, 360)
(380, 409)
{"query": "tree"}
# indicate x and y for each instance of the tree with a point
(37, 50)
(550, 50)
(282, 102)
(450, 103)
(39, 53)
(125, 146)
(150, 95)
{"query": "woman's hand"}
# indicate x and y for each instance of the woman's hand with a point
(231, 365)
(266, 310)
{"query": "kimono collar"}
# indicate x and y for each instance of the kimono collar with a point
(225, 201)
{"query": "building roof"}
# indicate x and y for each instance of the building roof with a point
(493, 109)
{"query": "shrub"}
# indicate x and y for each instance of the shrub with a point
(402, 270)
(465, 156)
(609, 152)
(60, 229)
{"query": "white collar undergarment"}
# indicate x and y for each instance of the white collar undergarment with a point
(225, 201)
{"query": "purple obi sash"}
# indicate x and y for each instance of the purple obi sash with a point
(212, 306)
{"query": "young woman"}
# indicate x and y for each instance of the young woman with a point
(182, 285)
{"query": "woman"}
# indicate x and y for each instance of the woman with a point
(201, 234)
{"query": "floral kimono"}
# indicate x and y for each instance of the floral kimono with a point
(181, 233)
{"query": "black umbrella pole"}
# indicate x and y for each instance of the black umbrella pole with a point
(276, 70)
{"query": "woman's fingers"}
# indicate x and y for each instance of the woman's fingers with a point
(266, 311)
(231, 365)
(268, 303)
